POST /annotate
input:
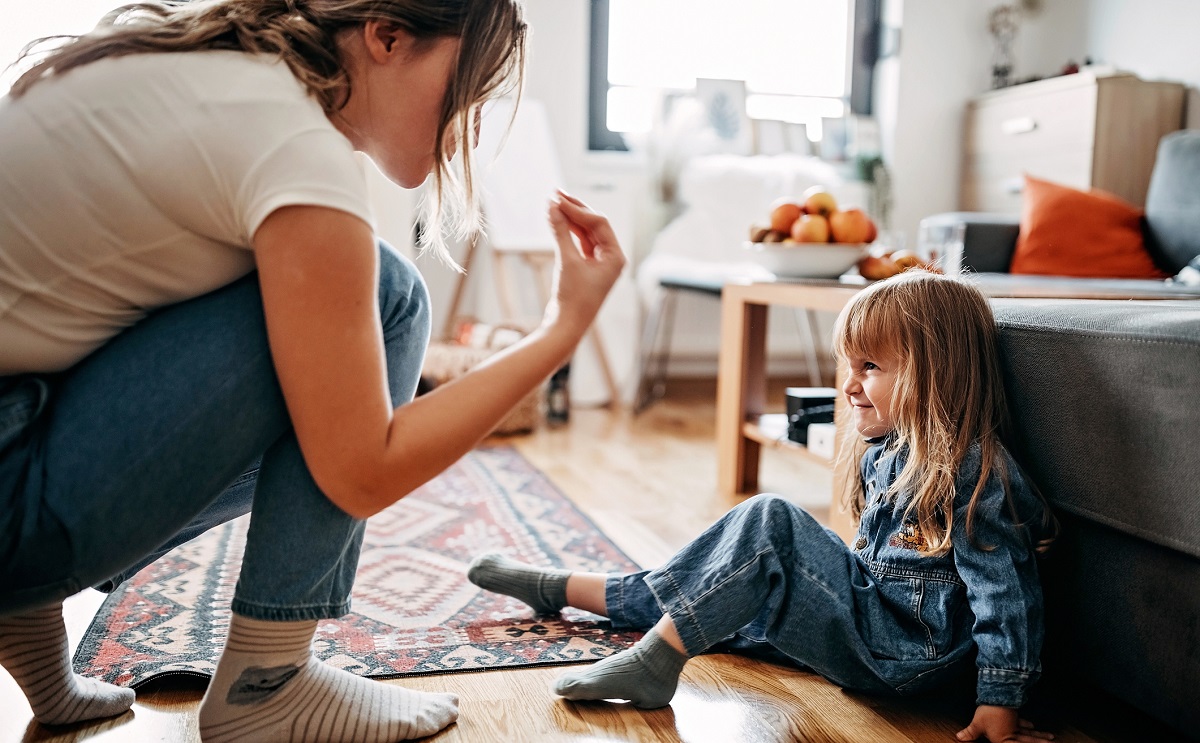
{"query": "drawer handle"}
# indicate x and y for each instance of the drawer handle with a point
(1023, 125)
(1013, 186)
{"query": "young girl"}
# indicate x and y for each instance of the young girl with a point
(197, 320)
(943, 567)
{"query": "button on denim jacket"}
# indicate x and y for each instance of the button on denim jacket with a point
(941, 606)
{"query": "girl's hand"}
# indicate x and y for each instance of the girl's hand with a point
(998, 724)
(583, 273)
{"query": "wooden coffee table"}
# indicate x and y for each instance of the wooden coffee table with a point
(742, 379)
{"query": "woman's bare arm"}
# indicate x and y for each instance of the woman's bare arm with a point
(318, 269)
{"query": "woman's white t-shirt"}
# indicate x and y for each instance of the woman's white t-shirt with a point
(136, 182)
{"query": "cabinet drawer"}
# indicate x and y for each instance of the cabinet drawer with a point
(1027, 125)
(994, 183)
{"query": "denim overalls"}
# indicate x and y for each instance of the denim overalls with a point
(878, 615)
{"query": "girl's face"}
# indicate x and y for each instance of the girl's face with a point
(870, 382)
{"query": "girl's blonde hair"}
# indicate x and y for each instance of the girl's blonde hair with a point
(949, 393)
(303, 34)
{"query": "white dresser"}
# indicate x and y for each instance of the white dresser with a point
(1086, 130)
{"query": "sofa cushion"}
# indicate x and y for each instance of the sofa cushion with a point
(1068, 232)
(1105, 397)
(1061, 287)
(1173, 200)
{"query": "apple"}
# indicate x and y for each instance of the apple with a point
(811, 228)
(819, 201)
(875, 267)
(872, 231)
(850, 226)
(784, 214)
(906, 259)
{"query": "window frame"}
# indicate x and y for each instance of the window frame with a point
(864, 53)
(600, 137)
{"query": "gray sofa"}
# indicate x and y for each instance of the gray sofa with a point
(1106, 400)
(1106, 404)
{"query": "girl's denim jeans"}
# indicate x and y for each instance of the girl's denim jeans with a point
(171, 428)
(767, 580)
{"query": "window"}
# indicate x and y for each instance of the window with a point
(796, 58)
(26, 20)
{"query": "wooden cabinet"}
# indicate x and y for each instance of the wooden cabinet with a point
(1087, 130)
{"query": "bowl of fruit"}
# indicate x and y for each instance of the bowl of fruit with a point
(811, 237)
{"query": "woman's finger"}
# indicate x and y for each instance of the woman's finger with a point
(581, 212)
(587, 242)
(592, 228)
(570, 198)
(562, 232)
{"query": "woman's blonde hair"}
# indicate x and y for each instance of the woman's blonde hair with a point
(303, 34)
(940, 333)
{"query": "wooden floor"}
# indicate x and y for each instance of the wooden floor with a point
(649, 483)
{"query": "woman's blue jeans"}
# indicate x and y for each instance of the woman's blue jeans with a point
(171, 428)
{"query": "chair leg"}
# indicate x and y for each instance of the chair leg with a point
(652, 379)
(806, 320)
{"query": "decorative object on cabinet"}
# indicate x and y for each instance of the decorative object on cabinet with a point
(1003, 22)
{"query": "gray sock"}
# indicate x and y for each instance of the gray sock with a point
(545, 589)
(645, 674)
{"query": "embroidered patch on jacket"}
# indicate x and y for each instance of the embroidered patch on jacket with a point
(909, 538)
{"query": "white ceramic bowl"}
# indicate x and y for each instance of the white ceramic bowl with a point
(806, 260)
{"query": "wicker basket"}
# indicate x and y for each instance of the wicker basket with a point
(448, 360)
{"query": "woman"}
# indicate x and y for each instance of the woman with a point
(196, 320)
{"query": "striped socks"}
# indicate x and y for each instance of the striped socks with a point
(33, 648)
(269, 686)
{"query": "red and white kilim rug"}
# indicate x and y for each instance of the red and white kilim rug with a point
(413, 610)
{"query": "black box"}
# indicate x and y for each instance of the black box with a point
(807, 405)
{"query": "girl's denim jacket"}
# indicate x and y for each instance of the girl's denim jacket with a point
(984, 592)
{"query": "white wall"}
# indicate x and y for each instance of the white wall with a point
(945, 58)
(1156, 39)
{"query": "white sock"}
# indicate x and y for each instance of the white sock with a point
(269, 686)
(33, 648)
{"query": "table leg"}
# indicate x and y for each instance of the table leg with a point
(741, 390)
(840, 518)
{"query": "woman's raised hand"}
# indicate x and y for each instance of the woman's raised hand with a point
(584, 272)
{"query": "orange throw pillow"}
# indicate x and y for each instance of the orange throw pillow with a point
(1089, 234)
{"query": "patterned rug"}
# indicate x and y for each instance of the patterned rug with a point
(413, 610)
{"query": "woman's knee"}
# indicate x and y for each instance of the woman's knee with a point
(403, 296)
